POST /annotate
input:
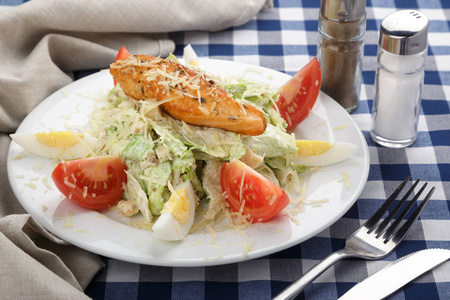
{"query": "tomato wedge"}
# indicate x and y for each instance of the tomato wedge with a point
(122, 54)
(299, 94)
(94, 183)
(246, 189)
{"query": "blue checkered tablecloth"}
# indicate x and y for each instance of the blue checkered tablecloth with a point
(284, 38)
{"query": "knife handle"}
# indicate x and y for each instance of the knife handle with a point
(298, 286)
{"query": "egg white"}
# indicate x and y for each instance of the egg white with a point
(167, 227)
(338, 152)
(30, 143)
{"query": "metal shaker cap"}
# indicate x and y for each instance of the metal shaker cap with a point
(343, 10)
(404, 32)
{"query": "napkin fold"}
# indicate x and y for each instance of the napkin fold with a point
(39, 265)
(42, 42)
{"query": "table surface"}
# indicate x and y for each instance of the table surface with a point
(284, 38)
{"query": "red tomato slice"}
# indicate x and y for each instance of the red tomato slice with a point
(122, 54)
(95, 182)
(298, 96)
(263, 199)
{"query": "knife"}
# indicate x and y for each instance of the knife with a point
(397, 274)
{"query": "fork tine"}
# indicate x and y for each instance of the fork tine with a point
(403, 231)
(380, 212)
(394, 225)
(380, 229)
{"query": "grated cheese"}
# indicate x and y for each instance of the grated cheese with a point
(38, 166)
(244, 112)
(345, 179)
(317, 201)
(18, 156)
(197, 243)
(172, 190)
(319, 124)
(340, 127)
(213, 234)
(32, 185)
(248, 245)
(203, 110)
(292, 218)
(241, 187)
(274, 197)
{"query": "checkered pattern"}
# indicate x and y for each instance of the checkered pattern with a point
(284, 38)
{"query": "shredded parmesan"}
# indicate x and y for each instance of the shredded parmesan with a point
(248, 245)
(18, 156)
(318, 201)
(32, 185)
(292, 218)
(172, 190)
(241, 187)
(203, 110)
(319, 124)
(38, 166)
(244, 112)
(345, 179)
(213, 234)
(274, 197)
(340, 127)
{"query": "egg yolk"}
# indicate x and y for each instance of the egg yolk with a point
(58, 139)
(178, 205)
(311, 148)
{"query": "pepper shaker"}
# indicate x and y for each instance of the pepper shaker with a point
(342, 24)
(402, 52)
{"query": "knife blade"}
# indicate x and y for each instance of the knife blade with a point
(396, 274)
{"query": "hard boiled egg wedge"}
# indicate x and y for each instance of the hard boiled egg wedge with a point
(56, 144)
(177, 216)
(322, 153)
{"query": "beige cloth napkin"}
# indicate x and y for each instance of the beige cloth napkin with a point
(41, 43)
(35, 264)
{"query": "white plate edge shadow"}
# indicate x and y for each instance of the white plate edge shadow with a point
(201, 261)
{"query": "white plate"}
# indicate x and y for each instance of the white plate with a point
(103, 232)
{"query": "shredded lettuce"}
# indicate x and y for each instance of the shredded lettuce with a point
(156, 179)
(272, 143)
(139, 148)
(158, 148)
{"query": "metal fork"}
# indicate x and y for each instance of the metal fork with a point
(373, 240)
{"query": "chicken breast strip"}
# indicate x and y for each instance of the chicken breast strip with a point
(185, 94)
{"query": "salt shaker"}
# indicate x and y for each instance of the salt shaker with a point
(342, 24)
(402, 52)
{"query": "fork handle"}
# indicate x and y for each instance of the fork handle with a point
(298, 286)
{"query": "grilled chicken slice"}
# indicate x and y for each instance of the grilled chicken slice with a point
(185, 94)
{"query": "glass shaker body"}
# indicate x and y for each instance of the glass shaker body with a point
(398, 90)
(340, 52)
